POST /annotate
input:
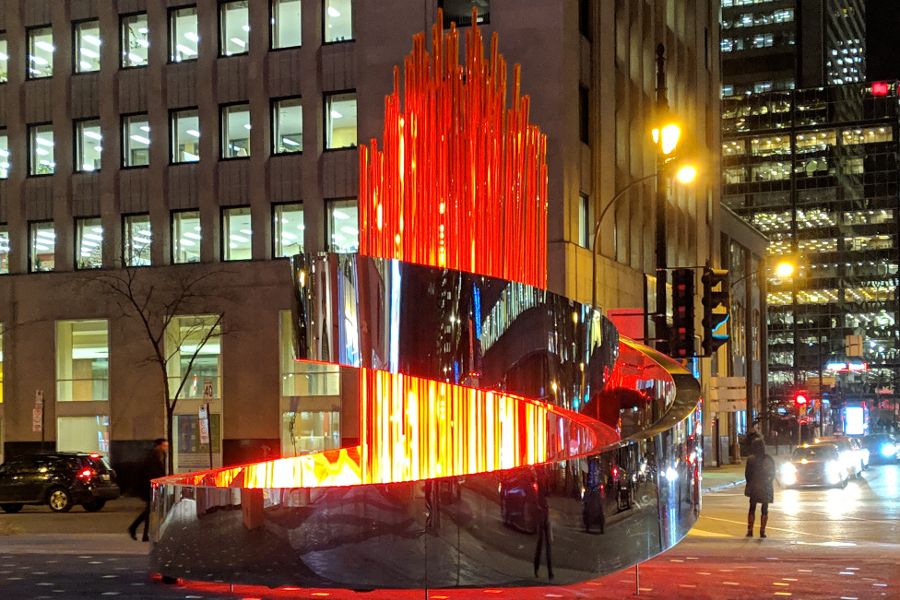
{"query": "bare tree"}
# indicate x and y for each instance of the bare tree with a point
(156, 306)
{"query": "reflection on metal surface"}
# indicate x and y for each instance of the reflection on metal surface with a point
(507, 434)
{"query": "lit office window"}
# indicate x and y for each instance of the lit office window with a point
(237, 234)
(285, 23)
(4, 154)
(340, 120)
(4, 59)
(338, 21)
(40, 52)
(42, 239)
(288, 229)
(88, 145)
(87, 46)
(235, 135)
(4, 269)
(135, 141)
(82, 361)
(135, 40)
(186, 236)
(89, 243)
(136, 240)
(185, 136)
(343, 219)
(460, 11)
(41, 150)
(287, 126)
(585, 221)
(234, 28)
(184, 40)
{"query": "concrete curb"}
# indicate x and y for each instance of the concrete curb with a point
(723, 486)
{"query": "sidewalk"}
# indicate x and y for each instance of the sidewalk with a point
(720, 478)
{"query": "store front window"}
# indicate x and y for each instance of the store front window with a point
(83, 434)
(82, 361)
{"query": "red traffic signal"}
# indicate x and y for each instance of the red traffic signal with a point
(801, 399)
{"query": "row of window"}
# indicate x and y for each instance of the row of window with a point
(183, 36)
(340, 119)
(813, 141)
(186, 234)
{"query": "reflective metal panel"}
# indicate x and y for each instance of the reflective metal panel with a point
(594, 503)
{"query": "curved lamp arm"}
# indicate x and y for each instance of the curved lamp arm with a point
(597, 223)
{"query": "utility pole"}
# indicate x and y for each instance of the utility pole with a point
(662, 193)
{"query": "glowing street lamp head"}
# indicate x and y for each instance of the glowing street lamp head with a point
(686, 174)
(666, 137)
(784, 269)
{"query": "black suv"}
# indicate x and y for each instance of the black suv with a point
(58, 479)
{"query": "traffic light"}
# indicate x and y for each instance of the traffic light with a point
(716, 308)
(681, 342)
(801, 400)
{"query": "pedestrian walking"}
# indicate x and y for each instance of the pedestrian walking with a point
(154, 466)
(760, 475)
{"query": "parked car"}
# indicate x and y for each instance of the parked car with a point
(882, 447)
(59, 479)
(854, 457)
(518, 500)
(814, 465)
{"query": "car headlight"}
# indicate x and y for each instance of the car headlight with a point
(833, 471)
(888, 449)
(788, 474)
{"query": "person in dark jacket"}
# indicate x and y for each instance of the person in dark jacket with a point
(760, 474)
(154, 466)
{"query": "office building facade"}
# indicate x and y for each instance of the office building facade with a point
(816, 170)
(212, 140)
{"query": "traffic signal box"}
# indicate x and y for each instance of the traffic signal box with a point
(801, 401)
(681, 341)
(716, 308)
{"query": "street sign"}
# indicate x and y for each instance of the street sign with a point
(727, 394)
(203, 422)
(37, 413)
(208, 388)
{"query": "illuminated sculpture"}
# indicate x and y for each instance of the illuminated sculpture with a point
(490, 409)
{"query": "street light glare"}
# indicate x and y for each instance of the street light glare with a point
(784, 269)
(686, 174)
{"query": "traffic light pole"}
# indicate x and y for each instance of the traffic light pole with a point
(662, 192)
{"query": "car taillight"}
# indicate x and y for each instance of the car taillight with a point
(86, 474)
(94, 455)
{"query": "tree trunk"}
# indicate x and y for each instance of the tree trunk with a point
(170, 435)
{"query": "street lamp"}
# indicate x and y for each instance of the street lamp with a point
(784, 269)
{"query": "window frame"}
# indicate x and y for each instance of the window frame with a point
(275, 207)
(222, 124)
(125, 237)
(123, 118)
(77, 143)
(325, 114)
(5, 36)
(172, 238)
(77, 242)
(29, 144)
(170, 13)
(28, 75)
(325, 26)
(31, 225)
(329, 202)
(76, 47)
(220, 50)
(172, 129)
(122, 18)
(222, 227)
(272, 47)
(273, 143)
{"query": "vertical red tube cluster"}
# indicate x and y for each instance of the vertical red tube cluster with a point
(461, 181)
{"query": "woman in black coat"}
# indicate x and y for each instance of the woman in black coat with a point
(760, 475)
